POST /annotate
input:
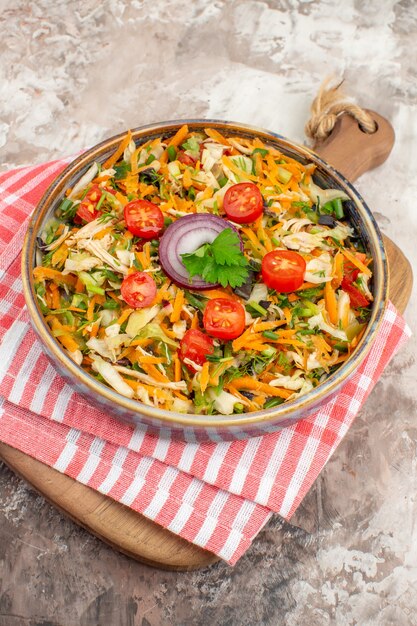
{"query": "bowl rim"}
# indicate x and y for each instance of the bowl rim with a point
(283, 412)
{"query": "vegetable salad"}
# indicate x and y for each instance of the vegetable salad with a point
(204, 274)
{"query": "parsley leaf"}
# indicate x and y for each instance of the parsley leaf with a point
(221, 261)
(196, 261)
(226, 249)
(122, 169)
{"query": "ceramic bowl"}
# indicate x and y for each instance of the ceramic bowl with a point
(191, 426)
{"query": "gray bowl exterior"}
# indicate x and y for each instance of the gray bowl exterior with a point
(192, 427)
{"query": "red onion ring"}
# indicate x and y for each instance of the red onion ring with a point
(186, 235)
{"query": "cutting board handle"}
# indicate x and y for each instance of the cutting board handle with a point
(351, 150)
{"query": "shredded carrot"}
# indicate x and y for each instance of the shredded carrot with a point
(134, 160)
(343, 309)
(124, 316)
(331, 302)
(321, 344)
(262, 235)
(240, 342)
(137, 384)
(337, 270)
(253, 406)
(234, 168)
(101, 179)
(79, 286)
(103, 233)
(221, 293)
(216, 136)
(94, 330)
(180, 395)
(118, 153)
(261, 326)
(141, 342)
(307, 285)
(177, 369)
(90, 310)
(121, 198)
(163, 294)
(60, 255)
(254, 240)
(141, 257)
(56, 300)
(257, 164)
(67, 341)
(354, 259)
(194, 321)
(341, 358)
(113, 296)
(218, 370)
(207, 193)
(246, 382)
(204, 376)
(178, 304)
(47, 273)
(288, 316)
(154, 372)
(187, 180)
(150, 359)
(266, 377)
(179, 136)
(169, 333)
(258, 345)
(147, 253)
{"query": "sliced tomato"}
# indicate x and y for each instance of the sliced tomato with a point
(224, 318)
(243, 203)
(138, 290)
(357, 298)
(87, 208)
(195, 346)
(186, 159)
(283, 270)
(350, 271)
(143, 218)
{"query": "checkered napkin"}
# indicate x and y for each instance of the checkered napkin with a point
(217, 495)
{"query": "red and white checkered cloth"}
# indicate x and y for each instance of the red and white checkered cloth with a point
(216, 495)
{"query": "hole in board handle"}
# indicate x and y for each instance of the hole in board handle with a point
(369, 132)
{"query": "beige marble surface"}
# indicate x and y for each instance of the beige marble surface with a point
(75, 72)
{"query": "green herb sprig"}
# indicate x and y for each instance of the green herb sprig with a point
(221, 261)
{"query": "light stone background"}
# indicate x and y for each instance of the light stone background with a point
(75, 72)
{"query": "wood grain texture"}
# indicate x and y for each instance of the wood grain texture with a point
(350, 151)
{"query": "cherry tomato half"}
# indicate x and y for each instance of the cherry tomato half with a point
(87, 208)
(350, 271)
(195, 346)
(143, 218)
(357, 298)
(243, 203)
(138, 290)
(283, 270)
(224, 318)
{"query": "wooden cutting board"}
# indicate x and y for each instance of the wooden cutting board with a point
(352, 152)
